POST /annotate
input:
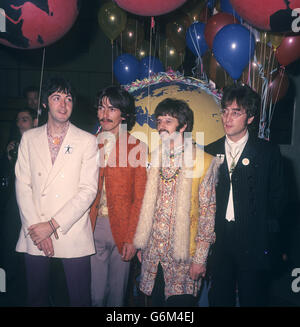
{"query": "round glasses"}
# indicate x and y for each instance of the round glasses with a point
(235, 114)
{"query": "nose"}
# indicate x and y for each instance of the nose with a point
(105, 113)
(227, 117)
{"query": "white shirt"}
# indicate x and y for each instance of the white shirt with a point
(233, 151)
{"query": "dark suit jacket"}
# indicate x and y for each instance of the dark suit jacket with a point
(258, 197)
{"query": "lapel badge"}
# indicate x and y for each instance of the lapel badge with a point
(245, 161)
(68, 149)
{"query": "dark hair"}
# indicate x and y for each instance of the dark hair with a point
(56, 84)
(122, 100)
(245, 98)
(32, 113)
(178, 109)
(28, 89)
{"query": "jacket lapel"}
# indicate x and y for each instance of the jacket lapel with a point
(69, 144)
(41, 146)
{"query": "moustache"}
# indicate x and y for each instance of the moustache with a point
(106, 120)
(163, 130)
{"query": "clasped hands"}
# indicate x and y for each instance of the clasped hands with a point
(40, 235)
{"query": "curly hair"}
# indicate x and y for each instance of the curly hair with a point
(122, 100)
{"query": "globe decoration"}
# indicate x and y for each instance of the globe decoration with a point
(37, 23)
(202, 99)
(270, 15)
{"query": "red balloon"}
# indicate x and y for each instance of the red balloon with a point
(270, 15)
(36, 24)
(278, 87)
(149, 7)
(289, 50)
(215, 23)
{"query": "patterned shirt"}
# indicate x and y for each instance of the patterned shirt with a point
(56, 142)
(159, 249)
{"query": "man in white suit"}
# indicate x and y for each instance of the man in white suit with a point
(56, 182)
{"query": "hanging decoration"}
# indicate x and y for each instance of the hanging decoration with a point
(37, 24)
(150, 8)
(112, 20)
(176, 32)
(215, 24)
(233, 48)
(126, 68)
(269, 15)
(149, 66)
(132, 36)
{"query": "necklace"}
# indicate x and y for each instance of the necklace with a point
(168, 179)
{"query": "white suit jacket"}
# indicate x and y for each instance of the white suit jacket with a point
(63, 191)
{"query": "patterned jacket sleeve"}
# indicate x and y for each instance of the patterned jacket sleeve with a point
(207, 209)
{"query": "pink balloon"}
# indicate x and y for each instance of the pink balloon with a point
(289, 50)
(271, 15)
(149, 7)
(215, 23)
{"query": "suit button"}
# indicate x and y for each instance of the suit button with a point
(40, 174)
(43, 194)
(42, 214)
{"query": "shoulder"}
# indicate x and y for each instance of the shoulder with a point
(34, 132)
(82, 133)
(215, 147)
(263, 145)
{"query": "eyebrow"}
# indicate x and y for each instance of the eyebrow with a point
(236, 109)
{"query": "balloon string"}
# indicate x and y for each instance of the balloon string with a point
(281, 73)
(136, 32)
(112, 62)
(148, 88)
(39, 112)
(199, 59)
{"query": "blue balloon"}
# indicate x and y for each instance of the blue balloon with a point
(150, 65)
(211, 4)
(233, 48)
(126, 68)
(195, 39)
(227, 7)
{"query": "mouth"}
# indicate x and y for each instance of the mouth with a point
(163, 131)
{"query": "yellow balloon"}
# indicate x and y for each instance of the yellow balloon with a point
(112, 20)
(207, 118)
(276, 40)
(168, 54)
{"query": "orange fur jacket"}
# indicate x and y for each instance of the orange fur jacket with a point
(125, 188)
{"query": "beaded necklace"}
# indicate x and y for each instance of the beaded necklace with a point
(172, 156)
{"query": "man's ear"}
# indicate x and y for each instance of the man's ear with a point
(35, 122)
(182, 129)
(250, 120)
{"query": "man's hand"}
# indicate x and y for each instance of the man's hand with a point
(139, 255)
(197, 270)
(10, 146)
(47, 247)
(39, 232)
(128, 252)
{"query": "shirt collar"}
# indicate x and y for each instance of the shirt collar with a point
(240, 142)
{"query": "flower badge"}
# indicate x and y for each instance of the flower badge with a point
(245, 161)
(68, 149)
